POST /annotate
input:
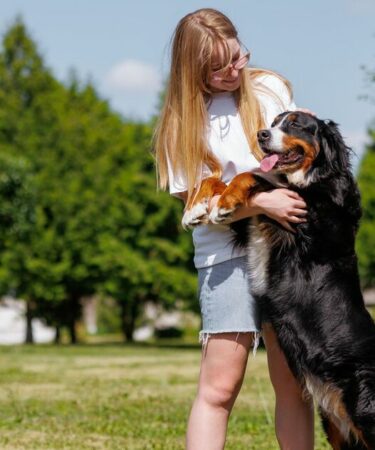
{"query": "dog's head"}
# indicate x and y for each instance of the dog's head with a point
(304, 148)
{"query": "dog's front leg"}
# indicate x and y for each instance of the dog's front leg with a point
(196, 211)
(235, 195)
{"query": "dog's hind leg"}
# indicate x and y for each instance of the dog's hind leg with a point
(368, 433)
(336, 438)
(333, 434)
(362, 408)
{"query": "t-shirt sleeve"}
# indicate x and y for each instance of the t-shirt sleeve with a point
(176, 182)
(275, 98)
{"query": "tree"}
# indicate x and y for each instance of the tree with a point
(143, 253)
(366, 234)
(98, 224)
(366, 181)
(17, 216)
(24, 84)
(45, 123)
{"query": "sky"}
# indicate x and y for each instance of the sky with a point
(122, 46)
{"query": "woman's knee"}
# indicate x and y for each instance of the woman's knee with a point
(221, 392)
(223, 369)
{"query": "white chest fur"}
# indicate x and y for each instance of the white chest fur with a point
(258, 255)
(299, 178)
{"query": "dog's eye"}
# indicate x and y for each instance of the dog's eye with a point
(295, 125)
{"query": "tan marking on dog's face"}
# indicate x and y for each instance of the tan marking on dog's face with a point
(310, 152)
(291, 117)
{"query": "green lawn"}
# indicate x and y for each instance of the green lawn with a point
(119, 397)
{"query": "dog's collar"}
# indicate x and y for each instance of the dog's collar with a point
(276, 180)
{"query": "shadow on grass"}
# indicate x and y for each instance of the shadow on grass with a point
(159, 344)
(162, 343)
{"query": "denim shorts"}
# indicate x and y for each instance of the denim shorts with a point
(225, 300)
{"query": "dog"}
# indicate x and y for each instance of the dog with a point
(307, 282)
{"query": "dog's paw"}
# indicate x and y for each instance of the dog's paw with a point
(220, 215)
(196, 215)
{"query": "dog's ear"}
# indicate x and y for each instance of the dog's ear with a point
(336, 153)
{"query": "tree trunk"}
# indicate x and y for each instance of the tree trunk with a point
(29, 338)
(130, 311)
(73, 314)
(57, 334)
(72, 331)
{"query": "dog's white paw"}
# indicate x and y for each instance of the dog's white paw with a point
(197, 215)
(221, 215)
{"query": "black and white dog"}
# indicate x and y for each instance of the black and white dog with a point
(307, 282)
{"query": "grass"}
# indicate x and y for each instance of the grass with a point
(120, 397)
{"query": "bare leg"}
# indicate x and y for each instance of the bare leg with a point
(223, 366)
(294, 416)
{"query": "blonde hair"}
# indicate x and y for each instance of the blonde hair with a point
(180, 137)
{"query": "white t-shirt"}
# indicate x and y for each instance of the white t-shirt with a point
(227, 140)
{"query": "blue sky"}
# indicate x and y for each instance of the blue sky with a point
(123, 46)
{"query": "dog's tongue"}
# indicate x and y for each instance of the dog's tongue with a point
(268, 162)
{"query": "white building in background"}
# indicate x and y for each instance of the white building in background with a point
(369, 296)
(13, 324)
(13, 321)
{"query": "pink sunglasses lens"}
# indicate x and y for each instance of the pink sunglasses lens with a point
(238, 65)
(241, 63)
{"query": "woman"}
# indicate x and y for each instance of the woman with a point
(213, 107)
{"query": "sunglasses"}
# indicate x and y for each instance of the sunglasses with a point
(240, 63)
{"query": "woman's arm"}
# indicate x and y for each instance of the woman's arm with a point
(282, 205)
(182, 196)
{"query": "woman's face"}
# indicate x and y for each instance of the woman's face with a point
(228, 79)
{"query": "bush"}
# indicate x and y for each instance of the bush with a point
(170, 332)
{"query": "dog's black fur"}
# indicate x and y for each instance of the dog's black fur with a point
(312, 294)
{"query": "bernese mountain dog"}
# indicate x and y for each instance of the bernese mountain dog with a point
(307, 282)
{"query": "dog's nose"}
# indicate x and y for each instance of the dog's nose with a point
(264, 135)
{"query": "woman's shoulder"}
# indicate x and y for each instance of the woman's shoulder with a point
(267, 84)
(268, 78)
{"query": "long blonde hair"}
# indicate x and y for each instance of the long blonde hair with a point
(180, 137)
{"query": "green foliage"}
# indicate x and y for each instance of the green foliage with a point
(366, 234)
(366, 181)
(17, 208)
(80, 211)
(108, 316)
(169, 332)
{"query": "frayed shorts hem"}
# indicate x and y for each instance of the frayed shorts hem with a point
(204, 336)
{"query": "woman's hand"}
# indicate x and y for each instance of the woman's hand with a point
(282, 205)
(305, 110)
